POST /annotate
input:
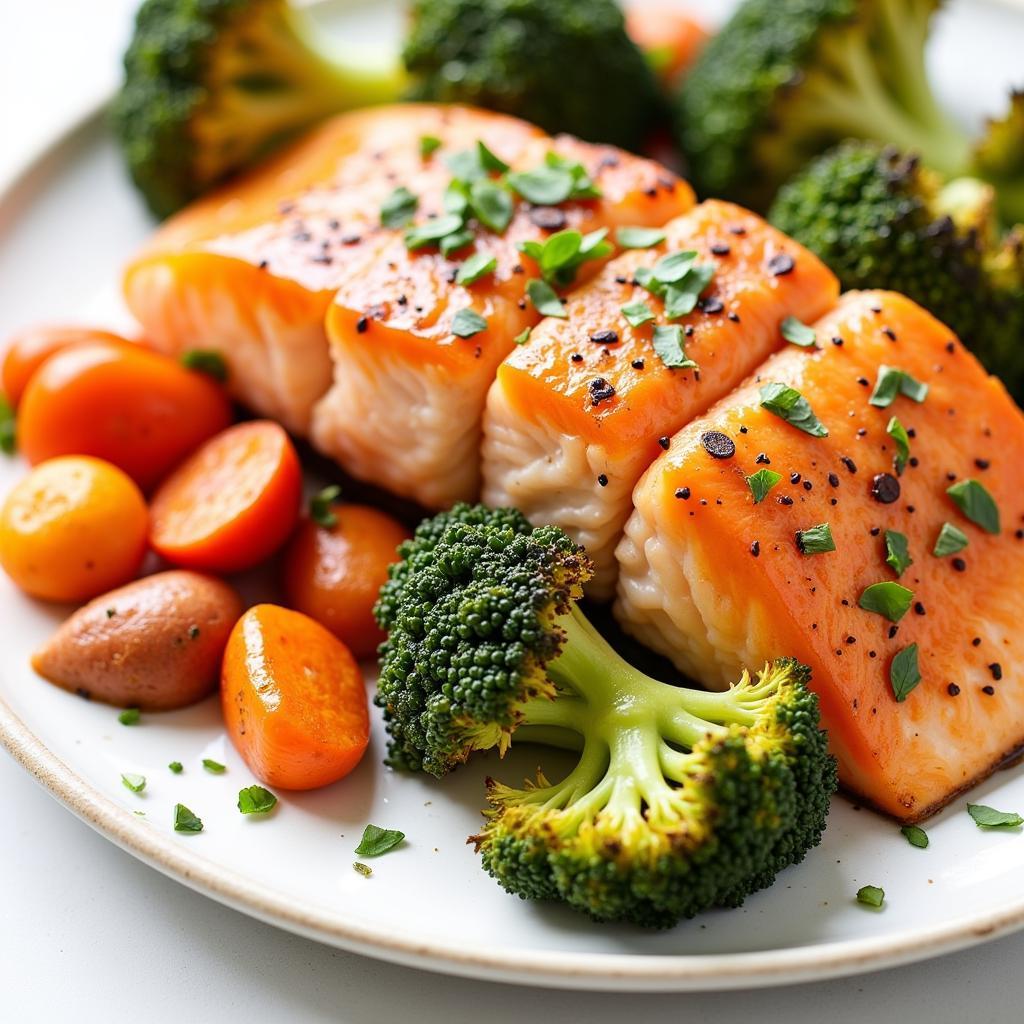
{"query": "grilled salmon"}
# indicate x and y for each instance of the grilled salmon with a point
(579, 412)
(888, 555)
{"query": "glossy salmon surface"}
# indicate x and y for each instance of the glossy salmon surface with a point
(922, 700)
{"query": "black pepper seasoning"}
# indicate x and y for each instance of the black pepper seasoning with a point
(600, 390)
(885, 488)
(718, 445)
(603, 480)
(953, 690)
(755, 548)
(684, 493)
(361, 325)
(604, 337)
(781, 264)
(997, 670)
(959, 564)
(762, 459)
(990, 690)
(720, 249)
(664, 442)
(637, 364)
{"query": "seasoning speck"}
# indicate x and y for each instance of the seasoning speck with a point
(885, 488)
(953, 690)
(605, 337)
(781, 264)
(664, 442)
(755, 548)
(684, 493)
(603, 480)
(997, 670)
(718, 445)
(600, 390)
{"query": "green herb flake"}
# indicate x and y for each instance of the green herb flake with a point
(871, 896)
(950, 540)
(637, 313)
(673, 266)
(523, 336)
(377, 841)
(177, 767)
(545, 300)
(897, 552)
(761, 482)
(542, 186)
(185, 820)
(256, 800)
(788, 404)
(465, 164)
(668, 344)
(639, 238)
(214, 767)
(431, 231)
(798, 333)
(889, 599)
(321, 509)
(399, 208)
(468, 322)
(989, 817)
(130, 716)
(429, 144)
(899, 434)
(491, 204)
(205, 360)
(904, 673)
(816, 540)
(916, 836)
(457, 240)
(478, 265)
(560, 257)
(682, 297)
(362, 869)
(136, 783)
(8, 427)
(490, 161)
(892, 382)
(975, 502)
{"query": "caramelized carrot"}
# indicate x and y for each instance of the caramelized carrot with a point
(232, 503)
(294, 700)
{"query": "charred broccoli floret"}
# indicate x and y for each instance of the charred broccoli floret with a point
(881, 219)
(783, 81)
(680, 800)
(211, 85)
(566, 66)
(999, 158)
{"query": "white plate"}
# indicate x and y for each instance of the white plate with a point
(66, 226)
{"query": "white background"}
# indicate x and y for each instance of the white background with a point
(89, 934)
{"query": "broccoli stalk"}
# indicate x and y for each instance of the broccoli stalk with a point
(680, 799)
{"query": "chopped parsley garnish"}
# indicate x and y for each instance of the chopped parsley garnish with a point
(897, 552)
(561, 255)
(429, 144)
(798, 333)
(8, 430)
(205, 360)
(639, 238)
(136, 783)
(399, 208)
(256, 800)
(871, 895)
(320, 506)
(916, 836)
(489, 160)
(363, 869)
(904, 673)
(477, 266)
(468, 322)
(892, 382)
(130, 716)
(185, 820)
(816, 540)
(889, 599)
(214, 767)
(177, 767)
(974, 500)
(523, 336)
(681, 298)
(544, 298)
(455, 241)
(899, 434)
(492, 205)
(377, 840)
(432, 231)
(673, 266)
(637, 313)
(557, 180)
(788, 404)
(668, 344)
(989, 817)
(950, 540)
(761, 482)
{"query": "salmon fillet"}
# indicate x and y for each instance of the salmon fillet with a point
(568, 454)
(717, 582)
(407, 398)
(250, 270)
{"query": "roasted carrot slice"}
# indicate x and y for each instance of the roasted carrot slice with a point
(293, 698)
(232, 503)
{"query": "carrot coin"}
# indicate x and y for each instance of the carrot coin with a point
(232, 503)
(121, 402)
(294, 699)
(334, 573)
(73, 528)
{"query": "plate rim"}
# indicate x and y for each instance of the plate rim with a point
(594, 971)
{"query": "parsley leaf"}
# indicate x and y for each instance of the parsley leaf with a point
(797, 333)
(490, 161)
(429, 144)
(889, 599)
(892, 382)
(897, 553)
(871, 895)
(185, 820)
(974, 500)
(639, 238)
(205, 360)
(637, 313)
(522, 337)
(177, 767)
(668, 344)
(989, 817)
(214, 767)
(468, 322)
(320, 510)
(904, 674)
(788, 404)
(681, 298)
(8, 429)
(761, 482)
(916, 836)
(377, 840)
(561, 256)
(432, 231)
(816, 540)
(492, 205)
(130, 716)
(477, 266)
(455, 241)
(543, 186)
(256, 800)
(136, 783)
(673, 266)
(398, 209)
(544, 298)
(950, 540)
(899, 434)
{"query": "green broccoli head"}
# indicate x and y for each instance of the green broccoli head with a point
(999, 158)
(783, 81)
(680, 799)
(880, 219)
(212, 85)
(565, 66)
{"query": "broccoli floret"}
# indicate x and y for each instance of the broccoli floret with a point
(880, 219)
(680, 800)
(565, 65)
(212, 85)
(999, 158)
(783, 81)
